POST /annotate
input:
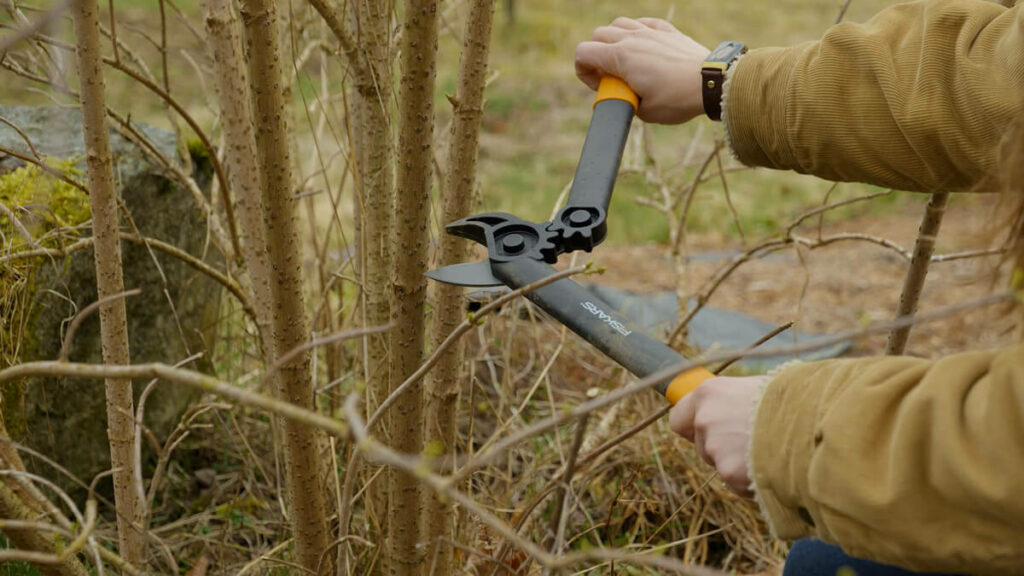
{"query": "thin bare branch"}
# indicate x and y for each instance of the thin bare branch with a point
(324, 341)
(181, 376)
(84, 313)
(913, 283)
(481, 459)
(41, 23)
(473, 319)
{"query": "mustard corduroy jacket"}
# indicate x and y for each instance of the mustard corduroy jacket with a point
(909, 461)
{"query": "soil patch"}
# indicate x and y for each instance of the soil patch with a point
(845, 285)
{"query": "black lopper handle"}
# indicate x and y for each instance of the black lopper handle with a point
(599, 162)
(592, 319)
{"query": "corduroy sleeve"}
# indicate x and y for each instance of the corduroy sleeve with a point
(913, 462)
(915, 99)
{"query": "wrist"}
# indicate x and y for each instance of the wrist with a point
(713, 73)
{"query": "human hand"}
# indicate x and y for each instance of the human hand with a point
(717, 418)
(660, 63)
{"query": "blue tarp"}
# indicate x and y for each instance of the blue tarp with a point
(711, 329)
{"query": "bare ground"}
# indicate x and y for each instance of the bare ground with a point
(844, 286)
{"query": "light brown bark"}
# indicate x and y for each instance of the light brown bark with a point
(375, 177)
(375, 156)
(364, 34)
(109, 277)
(913, 282)
(375, 165)
(442, 384)
(224, 40)
(365, 38)
(412, 204)
(305, 485)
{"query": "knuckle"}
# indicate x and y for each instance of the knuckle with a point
(703, 421)
(675, 425)
(734, 474)
(713, 447)
(701, 392)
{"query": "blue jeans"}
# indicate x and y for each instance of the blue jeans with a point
(815, 558)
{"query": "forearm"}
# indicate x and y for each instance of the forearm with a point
(915, 99)
(913, 462)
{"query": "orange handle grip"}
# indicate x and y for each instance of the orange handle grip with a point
(612, 88)
(685, 383)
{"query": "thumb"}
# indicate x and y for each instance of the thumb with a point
(595, 60)
(682, 415)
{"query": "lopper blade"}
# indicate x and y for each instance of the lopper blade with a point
(473, 274)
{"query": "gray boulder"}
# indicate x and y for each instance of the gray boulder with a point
(64, 418)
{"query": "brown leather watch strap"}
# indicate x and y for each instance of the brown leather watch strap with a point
(711, 87)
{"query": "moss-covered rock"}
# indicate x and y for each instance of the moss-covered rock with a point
(66, 418)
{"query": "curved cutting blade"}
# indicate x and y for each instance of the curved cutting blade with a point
(474, 274)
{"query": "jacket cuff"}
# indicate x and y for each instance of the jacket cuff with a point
(783, 440)
(754, 107)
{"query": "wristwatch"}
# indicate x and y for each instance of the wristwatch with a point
(712, 73)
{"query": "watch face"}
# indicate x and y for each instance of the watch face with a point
(725, 52)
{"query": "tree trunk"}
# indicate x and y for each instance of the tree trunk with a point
(447, 300)
(109, 278)
(368, 51)
(412, 204)
(230, 81)
(374, 166)
(302, 457)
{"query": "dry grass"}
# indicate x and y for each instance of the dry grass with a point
(648, 494)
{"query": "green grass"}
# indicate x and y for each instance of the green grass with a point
(18, 569)
(15, 568)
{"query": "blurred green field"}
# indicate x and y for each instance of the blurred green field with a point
(536, 113)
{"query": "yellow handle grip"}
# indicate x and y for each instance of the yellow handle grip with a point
(612, 88)
(685, 383)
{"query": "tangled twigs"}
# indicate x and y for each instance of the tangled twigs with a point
(335, 428)
(186, 377)
(376, 452)
(171, 250)
(33, 540)
(482, 459)
(420, 467)
(473, 319)
(789, 238)
(40, 23)
(560, 515)
(524, 513)
(322, 341)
